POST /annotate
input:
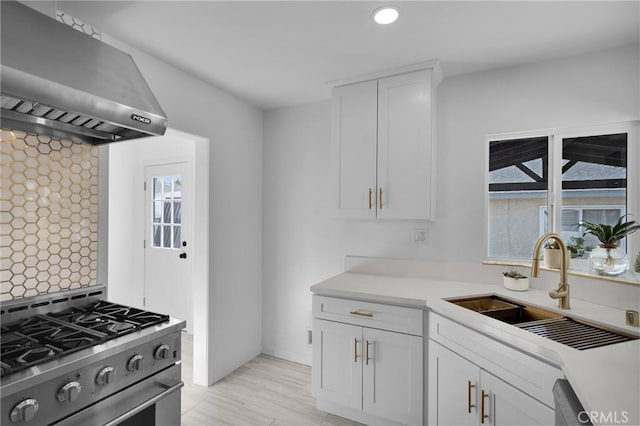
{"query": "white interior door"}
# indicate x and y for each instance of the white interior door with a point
(168, 235)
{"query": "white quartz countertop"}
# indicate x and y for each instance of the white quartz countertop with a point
(605, 379)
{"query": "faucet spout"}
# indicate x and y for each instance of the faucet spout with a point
(562, 292)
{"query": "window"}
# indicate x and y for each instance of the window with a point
(166, 211)
(518, 184)
(573, 215)
(550, 182)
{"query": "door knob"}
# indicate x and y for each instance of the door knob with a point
(183, 255)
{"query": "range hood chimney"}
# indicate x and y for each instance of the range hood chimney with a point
(60, 82)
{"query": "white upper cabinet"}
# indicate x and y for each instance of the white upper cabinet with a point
(355, 114)
(384, 148)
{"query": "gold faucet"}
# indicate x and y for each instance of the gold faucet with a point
(562, 292)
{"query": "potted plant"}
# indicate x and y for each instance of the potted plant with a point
(552, 254)
(608, 258)
(577, 249)
(514, 280)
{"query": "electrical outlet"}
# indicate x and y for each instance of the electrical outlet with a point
(420, 236)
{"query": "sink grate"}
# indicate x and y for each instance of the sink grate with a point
(573, 333)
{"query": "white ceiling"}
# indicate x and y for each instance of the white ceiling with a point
(276, 54)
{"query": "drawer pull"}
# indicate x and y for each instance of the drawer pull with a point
(362, 314)
(482, 414)
(469, 404)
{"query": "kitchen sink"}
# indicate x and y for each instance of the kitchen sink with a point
(551, 325)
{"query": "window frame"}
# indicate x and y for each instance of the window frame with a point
(554, 191)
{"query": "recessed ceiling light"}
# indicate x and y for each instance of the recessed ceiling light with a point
(385, 15)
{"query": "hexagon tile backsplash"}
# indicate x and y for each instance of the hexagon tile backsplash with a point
(48, 215)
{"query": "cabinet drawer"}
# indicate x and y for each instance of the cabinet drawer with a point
(515, 367)
(367, 314)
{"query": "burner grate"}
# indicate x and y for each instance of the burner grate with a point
(40, 338)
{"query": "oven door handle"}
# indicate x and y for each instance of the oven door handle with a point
(168, 391)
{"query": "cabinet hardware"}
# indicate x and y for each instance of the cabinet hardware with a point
(367, 353)
(355, 350)
(370, 199)
(482, 414)
(380, 198)
(362, 314)
(469, 404)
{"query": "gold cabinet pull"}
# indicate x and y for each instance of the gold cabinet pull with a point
(380, 198)
(367, 353)
(482, 414)
(370, 199)
(355, 350)
(469, 404)
(362, 314)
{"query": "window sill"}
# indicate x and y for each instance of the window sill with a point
(579, 270)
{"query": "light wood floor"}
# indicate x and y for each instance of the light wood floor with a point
(264, 391)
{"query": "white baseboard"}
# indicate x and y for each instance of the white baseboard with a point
(297, 357)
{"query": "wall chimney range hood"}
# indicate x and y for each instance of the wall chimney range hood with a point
(60, 82)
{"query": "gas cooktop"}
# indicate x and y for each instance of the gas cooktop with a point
(40, 338)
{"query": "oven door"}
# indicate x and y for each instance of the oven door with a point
(150, 402)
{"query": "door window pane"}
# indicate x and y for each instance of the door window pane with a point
(157, 211)
(518, 181)
(157, 188)
(167, 212)
(177, 211)
(157, 235)
(176, 237)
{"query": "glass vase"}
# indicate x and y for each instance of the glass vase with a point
(609, 260)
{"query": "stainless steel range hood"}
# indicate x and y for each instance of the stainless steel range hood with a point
(63, 83)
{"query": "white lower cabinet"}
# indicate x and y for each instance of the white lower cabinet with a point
(369, 375)
(469, 395)
(484, 382)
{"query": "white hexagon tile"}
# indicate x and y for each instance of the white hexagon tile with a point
(48, 215)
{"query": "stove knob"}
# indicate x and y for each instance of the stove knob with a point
(161, 352)
(69, 392)
(105, 376)
(25, 411)
(135, 363)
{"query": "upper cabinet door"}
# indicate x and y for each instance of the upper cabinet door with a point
(354, 143)
(405, 147)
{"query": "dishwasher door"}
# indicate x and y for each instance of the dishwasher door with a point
(569, 410)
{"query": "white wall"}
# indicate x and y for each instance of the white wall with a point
(234, 129)
(302, 244)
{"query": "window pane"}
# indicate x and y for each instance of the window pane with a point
(177, 211)
(156, 236)
(177, 186)
(594, 178)
(157, 188)
(176, 237)
(518, 181)
(167, 212)
(166, 237)
(167, 187)
(157, 211)
(570, 218)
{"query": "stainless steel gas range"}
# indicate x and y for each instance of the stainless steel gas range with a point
(75, 359)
